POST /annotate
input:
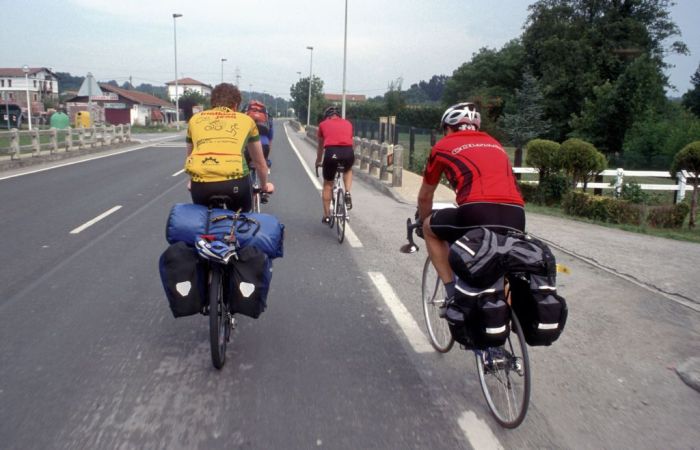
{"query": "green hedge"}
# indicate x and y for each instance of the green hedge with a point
(611, 210)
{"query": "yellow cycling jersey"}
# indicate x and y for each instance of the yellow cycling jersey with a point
(219, 137)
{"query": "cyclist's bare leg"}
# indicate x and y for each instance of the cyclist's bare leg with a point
(347, 180)
(439, 251)
(327, 194)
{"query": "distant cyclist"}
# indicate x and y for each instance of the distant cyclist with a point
(334, 148)
(216, 139)
(479, 170)
(258, 112)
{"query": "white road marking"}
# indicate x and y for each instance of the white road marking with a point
(95, 220)
(478, 432)
(404, 318)
(350, 235)
(178, 172)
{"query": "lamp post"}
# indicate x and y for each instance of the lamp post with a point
(222, 68)
(311, 65)
(25, 69)
(177, 91)
(345, 56)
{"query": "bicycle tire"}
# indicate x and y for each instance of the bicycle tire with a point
(433, 295)
(501, 370)
(219, 321)
(341, 214)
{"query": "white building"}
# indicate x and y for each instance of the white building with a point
(187, 84)
(40, 82)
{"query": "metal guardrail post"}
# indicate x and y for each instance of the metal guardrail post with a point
(14, 143)
(54, 141)
(397, 172)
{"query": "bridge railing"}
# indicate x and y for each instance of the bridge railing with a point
(384, 161)
(35, 142)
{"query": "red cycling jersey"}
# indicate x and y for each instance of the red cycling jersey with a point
(476, 166)
(335, 132)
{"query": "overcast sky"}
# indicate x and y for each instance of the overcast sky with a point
(267, 40)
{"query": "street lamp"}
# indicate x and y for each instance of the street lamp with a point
(311, 65)
(345, 55)
(177, 91)
(222, 69)
(25, 69)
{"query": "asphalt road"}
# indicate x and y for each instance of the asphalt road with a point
(90, 356)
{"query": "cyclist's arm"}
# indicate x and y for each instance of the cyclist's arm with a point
(319, 151)
(258, 157)
(425, 199)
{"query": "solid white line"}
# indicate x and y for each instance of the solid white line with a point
(350, 235)
(478, 432)
(404, 318)
(95, 220)
(140, 147)
(178, 172)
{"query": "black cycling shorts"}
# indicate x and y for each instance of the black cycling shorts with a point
(334, 157)
(266, 153)
(450, 224)
(239, 193)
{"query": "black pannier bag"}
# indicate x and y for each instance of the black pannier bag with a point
(250, 282)
(479, 318)
(541, 311)
(183, 278)
(477, 257)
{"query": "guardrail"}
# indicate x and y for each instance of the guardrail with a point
(379, 160)
(680, 187)
(54, 140)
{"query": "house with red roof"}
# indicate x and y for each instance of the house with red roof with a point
(41, 84)
(187, 84)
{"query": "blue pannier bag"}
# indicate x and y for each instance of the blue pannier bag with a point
(263, 231)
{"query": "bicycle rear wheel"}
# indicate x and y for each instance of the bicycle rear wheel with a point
(219, 319)
(504, 375)
(433, 291)
(340, 213)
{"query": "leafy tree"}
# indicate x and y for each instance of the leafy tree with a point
(691, 99)
(689, 159)
(524, 121)
(68, 82)
(300, 98)
(581, 161)
(543, 155)
(394, 98)
(574, 46)
(490, 74)
(189, 99)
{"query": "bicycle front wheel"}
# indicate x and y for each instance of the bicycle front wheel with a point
(504, 375)
(219, 320)
(433, 291)
(340, 213)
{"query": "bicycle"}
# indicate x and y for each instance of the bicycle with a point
(339, 211)
(504, 372)
(259, 197)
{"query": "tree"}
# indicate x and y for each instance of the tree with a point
(581, 161)
(525, 119)
(189, 99)
(691, 99)
(543, 155)
(574, 46)
(393, 98)
(300, 98)
(689, 159)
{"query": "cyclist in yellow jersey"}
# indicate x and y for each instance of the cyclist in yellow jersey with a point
(216, 139)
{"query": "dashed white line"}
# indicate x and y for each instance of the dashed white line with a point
(95, 220)
(350, 235)
(178, 172)
(402, 316)
(478, 432)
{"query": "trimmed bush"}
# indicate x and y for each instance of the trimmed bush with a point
(604, 209)
(529, 192)
(543, 155)
(668, 216)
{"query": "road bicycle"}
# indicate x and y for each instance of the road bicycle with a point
(504, 371)
(259, 197)
(339, 210)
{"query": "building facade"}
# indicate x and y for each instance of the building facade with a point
(41, 84)
(187, 84)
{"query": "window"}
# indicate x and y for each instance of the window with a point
(34, 83)
(9, 83)
(35, 98)
(12, 96)
(2, 83)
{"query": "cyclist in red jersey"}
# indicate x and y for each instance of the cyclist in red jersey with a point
(334, 149)
(479, 170)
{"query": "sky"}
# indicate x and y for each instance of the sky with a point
(265, 42)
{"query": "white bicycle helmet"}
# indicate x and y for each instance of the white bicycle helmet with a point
(462, 116)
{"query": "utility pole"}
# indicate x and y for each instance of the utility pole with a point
(238, 76)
